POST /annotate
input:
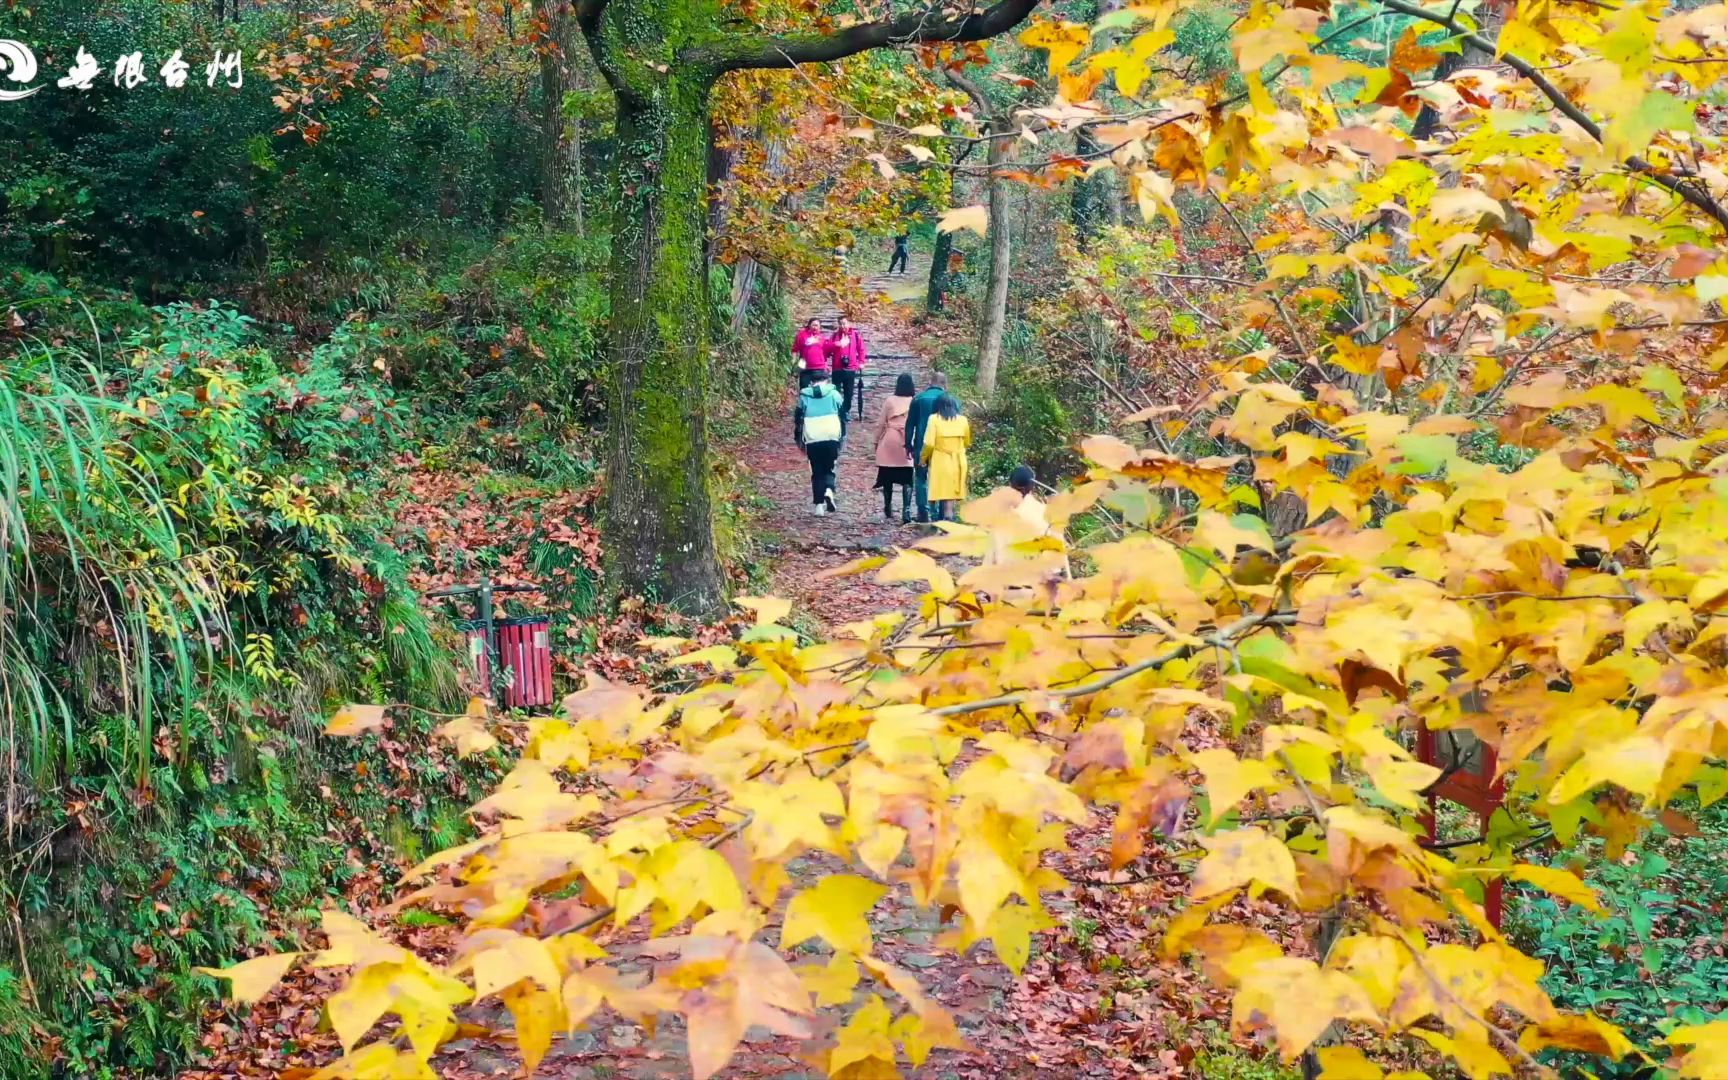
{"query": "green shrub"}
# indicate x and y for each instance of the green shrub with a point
(1654, 961)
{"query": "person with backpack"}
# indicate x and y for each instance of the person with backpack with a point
(893, 463)
(846, 357)
(810, 351)
(946, 437)
(816, 425)
(917, 418)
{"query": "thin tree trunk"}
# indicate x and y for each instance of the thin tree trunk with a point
(749, 272)
(557, 78)
(719, 168)
(578, 206)
(937, 294)
(996, 297)
(743, 291)
(1089, 202)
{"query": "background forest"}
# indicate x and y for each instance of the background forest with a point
(281, 357)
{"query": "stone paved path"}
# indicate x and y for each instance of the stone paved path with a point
(1015, 1029)
(804, 544)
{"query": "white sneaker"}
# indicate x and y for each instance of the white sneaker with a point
(828, 502)
(819, 509)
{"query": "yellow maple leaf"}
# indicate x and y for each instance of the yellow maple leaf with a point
(1063, 40)
(1577, 1031)
(1296, 1000)
(767, 609)
(251, 979)
(834, 909)
(1708, 1057)
(831, 983)
(1229, 779)
(352, 719)
(1241, 856)
(376, 1061)
(1558, 882)
(976, 218)
(865, 1038)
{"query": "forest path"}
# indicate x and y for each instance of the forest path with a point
(1067, 1018)
(803, 544)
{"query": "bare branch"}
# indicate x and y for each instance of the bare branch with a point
(1687, 189)
(912, 28)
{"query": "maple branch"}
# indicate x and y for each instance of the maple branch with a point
(1296, 338)
(1427, 296)
(912, 28)
(1307, 792)
(606, 912)
(1222, 639)
(1686, 189)
(1441, 989)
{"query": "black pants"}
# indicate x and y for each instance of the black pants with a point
(897, 265)
(822, 456)
(806, 376)
(851, 388)
(905, 501)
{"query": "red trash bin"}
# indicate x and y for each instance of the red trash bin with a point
(525, 648)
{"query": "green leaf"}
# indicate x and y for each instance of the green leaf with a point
(1425, 453)
(1710, 287)
(1665, 382)
(1630, 132)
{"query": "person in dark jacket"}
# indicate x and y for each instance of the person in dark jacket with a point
(816, 424)
(897, 262)
(917, 419)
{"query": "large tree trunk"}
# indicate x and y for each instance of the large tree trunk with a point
(996, 296)
(659, 530)
(561, 141)
(661, 59)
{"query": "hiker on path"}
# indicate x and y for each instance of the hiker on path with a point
(846, 356)
(946, 437)
(917, 418)
(817, 427)
(897, 263)
(810, 351)
(893, 462)
(1033, 522)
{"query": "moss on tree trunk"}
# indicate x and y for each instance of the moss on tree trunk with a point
(659, 526)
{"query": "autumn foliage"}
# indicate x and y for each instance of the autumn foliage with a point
(1562, 603)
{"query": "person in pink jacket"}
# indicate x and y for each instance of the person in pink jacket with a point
(810, 351)
(846, 356)
(893, 462)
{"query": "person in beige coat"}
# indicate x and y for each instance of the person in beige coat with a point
(893, 463)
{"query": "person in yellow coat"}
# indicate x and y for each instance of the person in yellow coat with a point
(946, 438)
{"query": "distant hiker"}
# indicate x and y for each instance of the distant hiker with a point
(1029, 509)
(846, 356)
(917, 418)
(1023, 533)
(810, 350)
(816, 425)
(897, 263)
(893, 462)
(947, 434)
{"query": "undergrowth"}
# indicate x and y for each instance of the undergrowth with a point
(206, 553)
